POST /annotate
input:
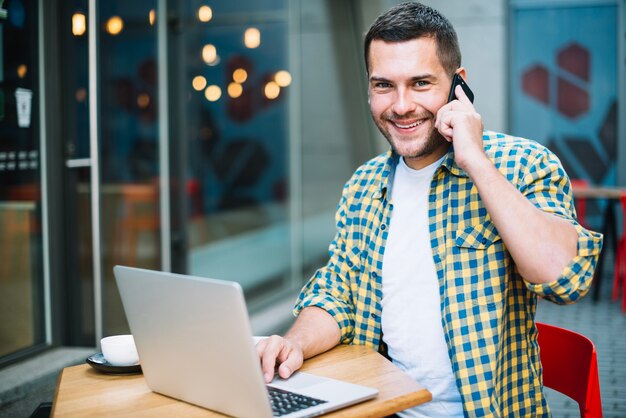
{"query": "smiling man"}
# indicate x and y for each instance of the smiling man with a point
(445, 242)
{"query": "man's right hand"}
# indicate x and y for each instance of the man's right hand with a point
(314, 332)
(282, 352)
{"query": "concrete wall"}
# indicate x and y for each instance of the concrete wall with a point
(481, 27)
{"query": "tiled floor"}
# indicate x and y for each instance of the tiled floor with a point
(25, 385)
(605, 324)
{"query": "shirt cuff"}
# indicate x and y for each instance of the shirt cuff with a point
(341, 314)
(577, 275)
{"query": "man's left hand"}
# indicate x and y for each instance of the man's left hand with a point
(459, 123)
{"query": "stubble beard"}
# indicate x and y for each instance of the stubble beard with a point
(433, 141)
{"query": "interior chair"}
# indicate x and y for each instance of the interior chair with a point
(18, 224)
(619, 271)
(570, 366)
(139, 206)
(580, 202)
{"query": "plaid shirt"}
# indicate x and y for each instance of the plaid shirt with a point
(488, 309)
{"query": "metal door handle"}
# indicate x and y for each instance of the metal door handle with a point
(78, 162)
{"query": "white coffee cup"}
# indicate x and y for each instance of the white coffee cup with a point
(120, 350)
(23, 98)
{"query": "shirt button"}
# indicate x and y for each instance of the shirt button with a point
(383, 227)
(484, 240)
(350, 263)
(374, 275)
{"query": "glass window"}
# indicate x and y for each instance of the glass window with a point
(235, 94)
(21, 272)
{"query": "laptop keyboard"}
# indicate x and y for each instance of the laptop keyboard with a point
(284, 402)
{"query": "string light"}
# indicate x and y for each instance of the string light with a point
(22, 69)
(209, 54)
(79, 24)
(282, 78)
(240, 75)
(143, 100)
(235, 90)
(213, 93)
(252, 38)
(198, 83)
(272, 90)
(205, 14)
(115, 25)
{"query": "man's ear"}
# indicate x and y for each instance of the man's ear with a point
(462, 72)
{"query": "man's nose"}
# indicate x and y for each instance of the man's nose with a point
(404, 102)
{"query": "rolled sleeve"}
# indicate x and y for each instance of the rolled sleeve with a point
(576, 278)
(547, 186)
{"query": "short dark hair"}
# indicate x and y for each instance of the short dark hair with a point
(410, 20)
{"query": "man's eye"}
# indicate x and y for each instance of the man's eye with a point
(382, 85)
(421, 83)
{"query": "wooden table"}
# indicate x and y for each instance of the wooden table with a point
(609, 222)
(598, 192)
(85, 392)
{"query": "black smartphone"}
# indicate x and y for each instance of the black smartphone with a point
(457, 80)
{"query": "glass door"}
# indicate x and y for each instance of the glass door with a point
(75, 141)
(111, 156)
(128, 145)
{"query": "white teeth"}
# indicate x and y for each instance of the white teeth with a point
(413, 125)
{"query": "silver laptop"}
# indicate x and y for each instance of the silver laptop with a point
(195, 344)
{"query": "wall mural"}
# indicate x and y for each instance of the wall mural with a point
(564, 92)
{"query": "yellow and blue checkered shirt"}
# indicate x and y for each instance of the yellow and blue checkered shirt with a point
(488, 309)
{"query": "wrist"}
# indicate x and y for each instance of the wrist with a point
(295, 341)
(475, 163)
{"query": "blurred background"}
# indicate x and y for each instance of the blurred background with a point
(213, 138)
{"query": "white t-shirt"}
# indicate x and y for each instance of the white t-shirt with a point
(411, 310)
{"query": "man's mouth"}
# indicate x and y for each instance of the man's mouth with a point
(407, 124)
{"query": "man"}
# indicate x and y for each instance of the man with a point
(444, 243)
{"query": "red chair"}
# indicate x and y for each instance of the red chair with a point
(619, 271)
(580, 202)
(570, 366)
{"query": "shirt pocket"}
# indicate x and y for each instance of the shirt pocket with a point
(480, 264)
(478, 237)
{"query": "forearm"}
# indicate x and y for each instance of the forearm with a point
(315, 331)
(541, 244)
